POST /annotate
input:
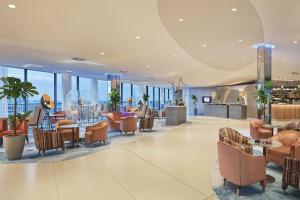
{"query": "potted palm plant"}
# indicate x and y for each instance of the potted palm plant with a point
(13, 88)
(195, 100)
(263, 99)
(145, 97)
(114, 99)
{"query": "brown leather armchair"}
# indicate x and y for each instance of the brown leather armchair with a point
(241, 168)
(128, 124)
(114, 120)
(291, 173)
(290, 147)
(46, 140)
(67, 133)
(257, 130)
(22, 128)
(3, 127)
(97, 132)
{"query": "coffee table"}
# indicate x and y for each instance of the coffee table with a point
(73, 127)
(275, 144)
(272, 126)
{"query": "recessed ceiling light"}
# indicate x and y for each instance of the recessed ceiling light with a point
(180, 20)
(234, 9)
(147, 66)
(216, 59)
(174, 54)
(240, 41)
(102, 53)
(243, 56)
(295, 42)
(193, 66)
(11, 5)
(283, 59)
(204, 45)
(138, 37)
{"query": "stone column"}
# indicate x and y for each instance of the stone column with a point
(264, 72)
(66, 92)
(3, 102)
(115, 82)
(94, 91)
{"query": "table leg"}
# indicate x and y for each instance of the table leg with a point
(73, 135)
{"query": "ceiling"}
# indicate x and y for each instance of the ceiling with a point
(151, 41)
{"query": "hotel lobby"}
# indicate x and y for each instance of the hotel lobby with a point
(156, 99)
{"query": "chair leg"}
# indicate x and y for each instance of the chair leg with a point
(238, 190)
(27, 139)
(263, 185)
(1, 142)
(224, 183)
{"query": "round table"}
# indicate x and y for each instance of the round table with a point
(73, 127)
(272, 126)
(275, 144)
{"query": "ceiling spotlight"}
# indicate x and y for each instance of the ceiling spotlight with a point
(295, 42)
(283, 59)
(193, 66)
(102, 53)
(138, 37)
(204, 45)
(11, 5)
(147, 66)
(180, 20)
(243, 56)
(234, 9)
(174, 55)
(240, 41)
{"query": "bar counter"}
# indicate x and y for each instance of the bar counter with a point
(175, 115)
(285, 111)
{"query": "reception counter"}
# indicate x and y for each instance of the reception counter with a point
(285, 111)
(175, 115)
(233, 111)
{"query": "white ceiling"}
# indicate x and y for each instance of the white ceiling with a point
(50, 33)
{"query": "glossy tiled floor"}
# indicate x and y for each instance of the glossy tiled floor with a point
(174, 165)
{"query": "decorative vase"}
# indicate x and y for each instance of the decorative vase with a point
(14, 146)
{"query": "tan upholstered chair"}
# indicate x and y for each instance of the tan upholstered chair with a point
(257, 130)
(291, 173)
(114, 120)
(22, 129)
(290, 147)
(290, 126)
(46, 140)
(67, 133)
(96, 133)
(34, 118)
(234, 138)
(142, 113)
(241, 168)
(128, 124)
(148, 121)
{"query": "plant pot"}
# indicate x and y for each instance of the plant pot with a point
(195, 111)
(14, 146)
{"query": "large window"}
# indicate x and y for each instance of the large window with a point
(137, 94)
(162, 98)
(102, 91)
(45, 85)
(85, 85)
(74, 90)
(59, 103)
(171, 95)
(126, 93)
(150, 101)
(156, 98)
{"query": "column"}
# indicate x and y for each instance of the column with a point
(94, 91)
(114, 81)
(264, 72)
(3, 102)
(66, 92)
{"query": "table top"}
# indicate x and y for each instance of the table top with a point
(275, 144)
(272, 125)
(70, 126)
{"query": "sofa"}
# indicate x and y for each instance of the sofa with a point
(47, 140)
(241, 168)
(128, 124)
(290, 147)
(257, 130)
(96, 133)
(290, 173)
(290, 126)
(236, 139)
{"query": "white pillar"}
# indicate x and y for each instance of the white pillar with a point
(66, 91)
(94, 91)
(3, 102)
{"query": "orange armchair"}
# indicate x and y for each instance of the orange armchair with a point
(22, 128)
(241, 168)
(97, 132)
(128, 124)
(290, 147)
(257, 130)
(114, 120)
(67, 132)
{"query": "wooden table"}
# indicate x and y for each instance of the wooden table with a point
(73, 127)
(275, 144)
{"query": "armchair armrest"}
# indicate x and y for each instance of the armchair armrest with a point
(99, 130)
(295, 151)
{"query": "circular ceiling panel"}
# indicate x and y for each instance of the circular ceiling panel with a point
(217, 33)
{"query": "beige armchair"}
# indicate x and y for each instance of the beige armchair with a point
(142, 113)
(128, 124)
(241, 168)
(114, 120)
(96, 133)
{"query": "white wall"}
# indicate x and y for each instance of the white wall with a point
(199, 92)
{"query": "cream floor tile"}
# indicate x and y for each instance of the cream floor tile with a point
(169, 189)
(125, 196)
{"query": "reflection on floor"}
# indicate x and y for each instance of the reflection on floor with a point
(174, 165)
